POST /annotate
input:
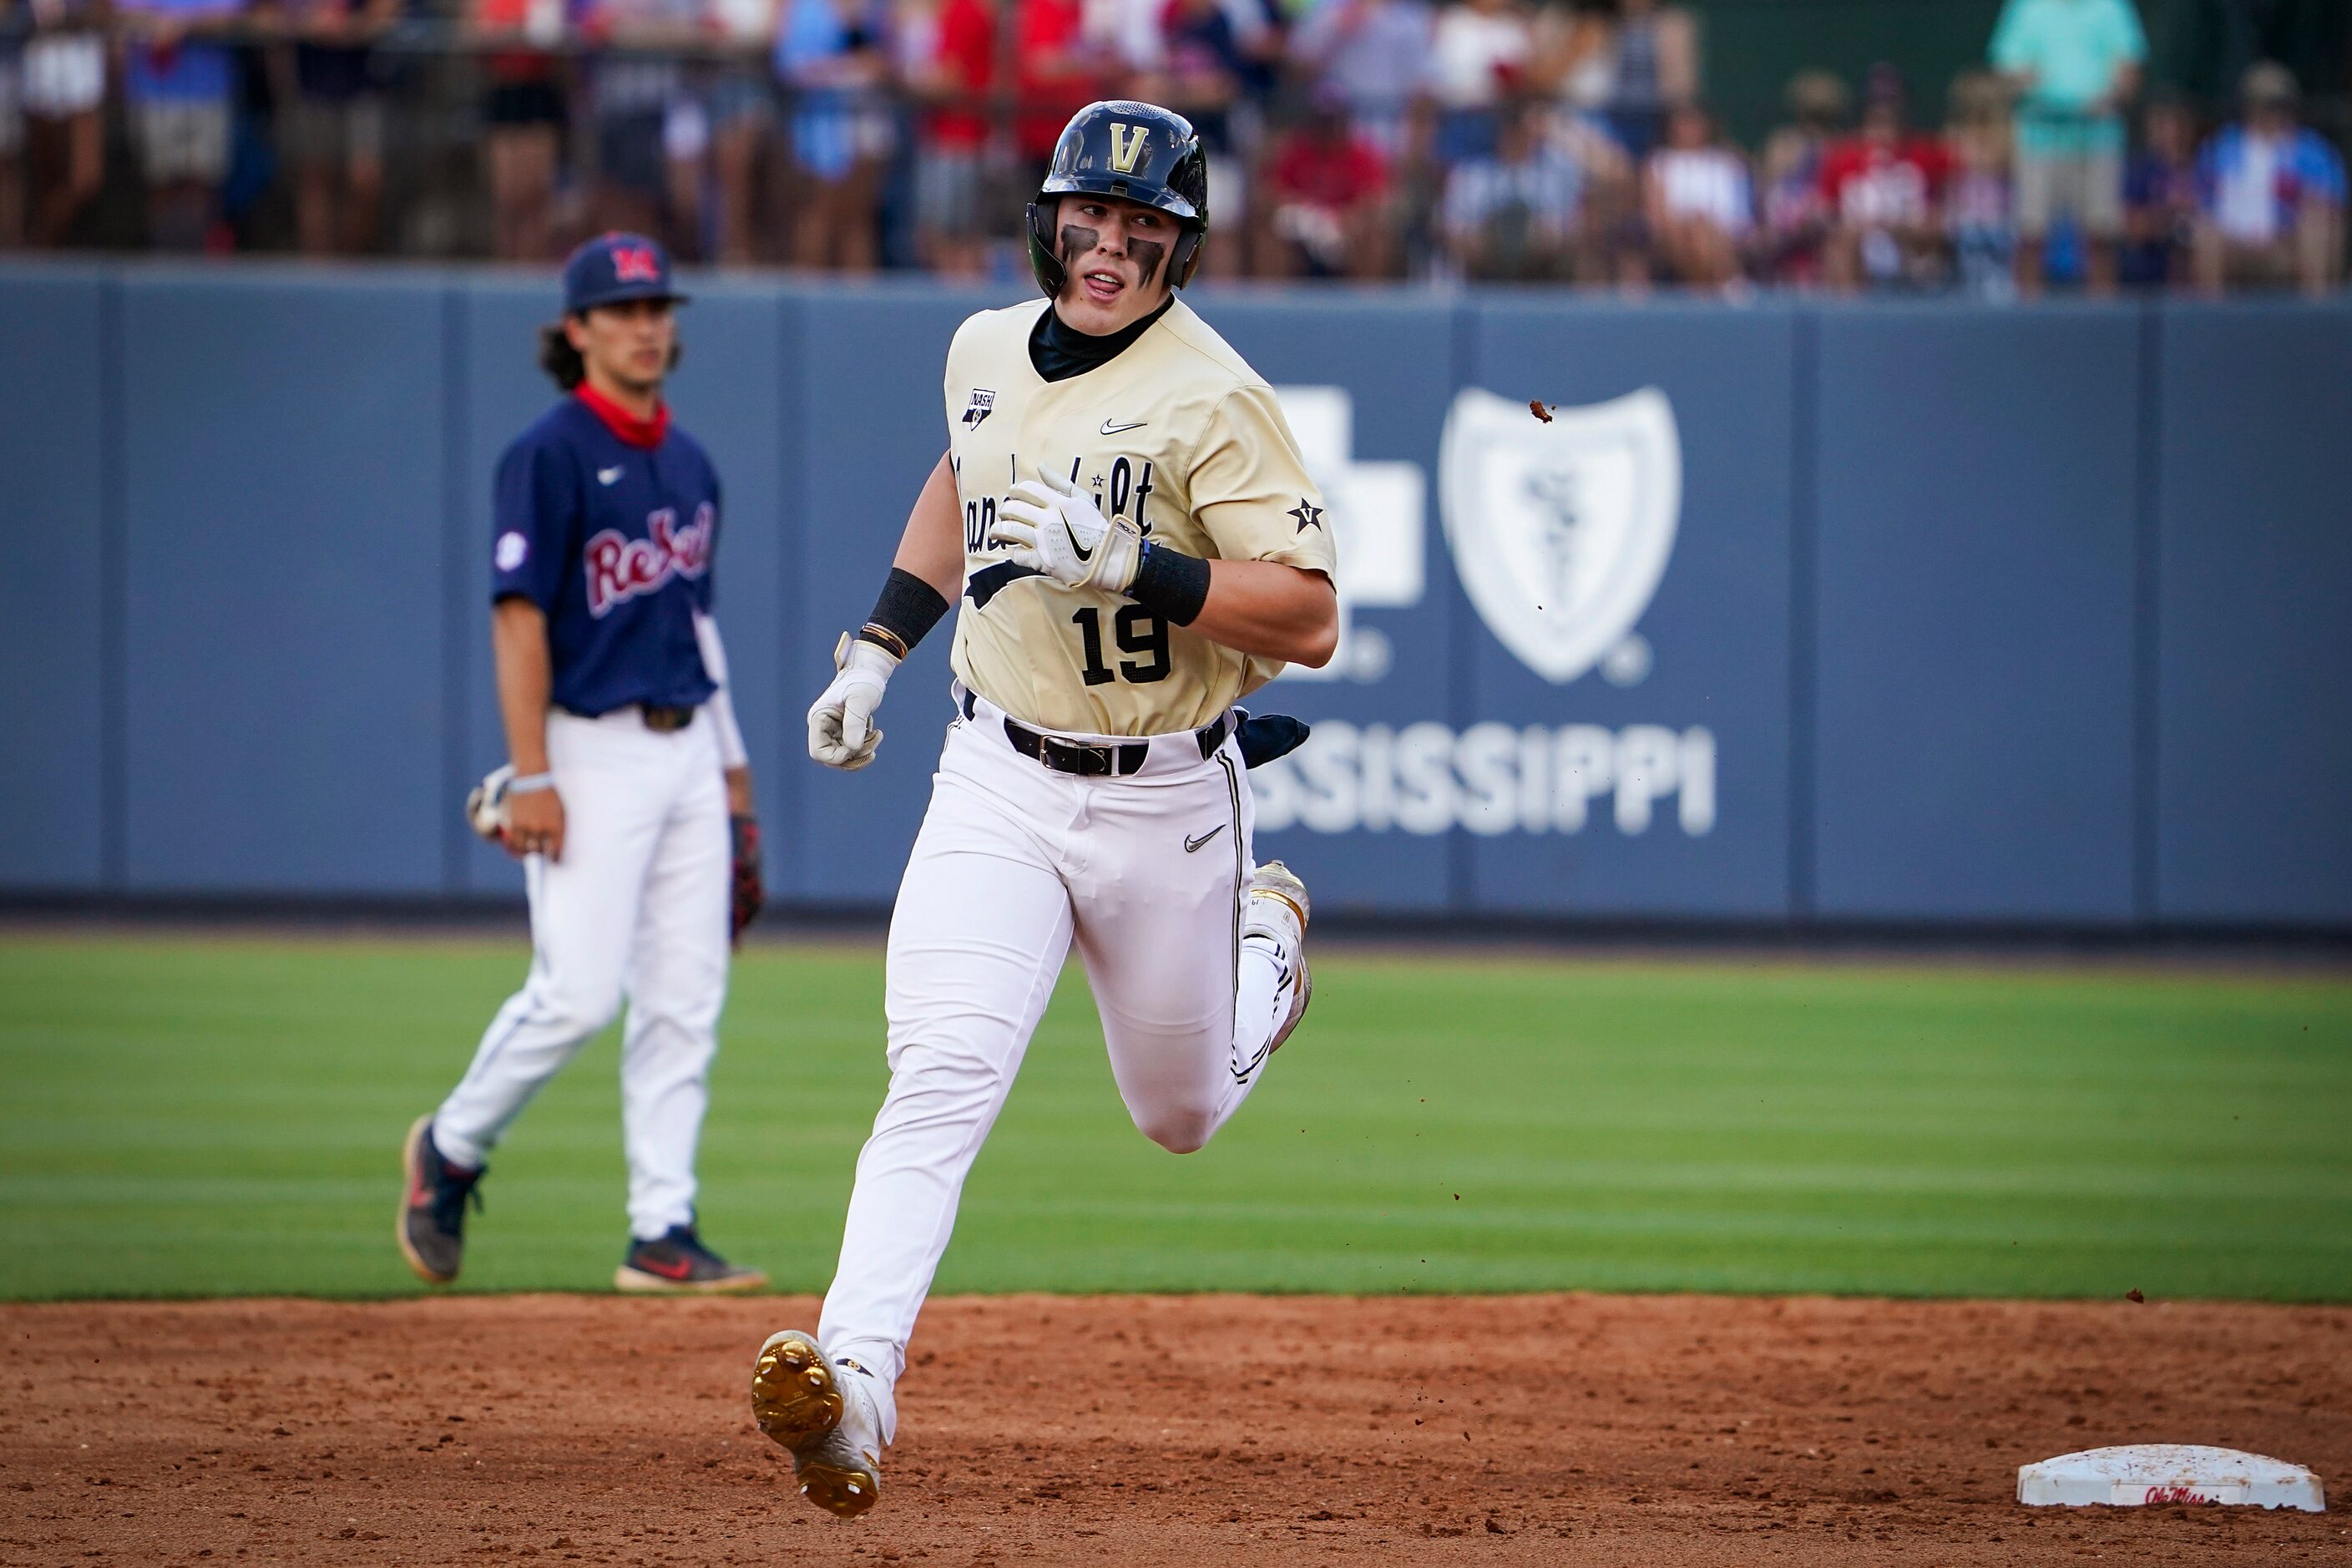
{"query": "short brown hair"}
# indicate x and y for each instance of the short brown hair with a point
(563, 362)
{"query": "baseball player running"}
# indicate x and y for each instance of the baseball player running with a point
(627, 769)
(1138, 544)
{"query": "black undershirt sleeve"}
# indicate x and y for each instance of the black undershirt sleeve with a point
(1169, 583)
(904, 615)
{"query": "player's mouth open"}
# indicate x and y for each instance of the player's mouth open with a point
(1103, 286)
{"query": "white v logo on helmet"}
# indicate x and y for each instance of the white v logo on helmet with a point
(1126, 146)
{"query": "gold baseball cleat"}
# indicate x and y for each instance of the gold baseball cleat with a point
(827, 1421)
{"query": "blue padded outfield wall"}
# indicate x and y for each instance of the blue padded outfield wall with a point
(1792, 612)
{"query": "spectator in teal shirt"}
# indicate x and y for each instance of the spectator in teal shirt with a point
(2074, 64)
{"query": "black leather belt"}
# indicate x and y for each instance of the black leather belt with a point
(1088, 761)
(661, 721)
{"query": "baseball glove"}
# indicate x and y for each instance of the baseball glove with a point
(751, 892)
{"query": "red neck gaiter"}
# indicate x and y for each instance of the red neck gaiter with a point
(646, 434)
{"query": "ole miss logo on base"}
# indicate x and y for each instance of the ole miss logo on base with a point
(620, 568)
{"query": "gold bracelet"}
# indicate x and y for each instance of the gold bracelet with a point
(891, 642)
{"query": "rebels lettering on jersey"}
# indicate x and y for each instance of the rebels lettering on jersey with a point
(620, 568)
(614, 541)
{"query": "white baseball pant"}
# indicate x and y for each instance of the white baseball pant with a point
(1149, 875)
(637, 907)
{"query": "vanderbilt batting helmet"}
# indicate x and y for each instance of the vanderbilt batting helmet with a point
(1137, 150)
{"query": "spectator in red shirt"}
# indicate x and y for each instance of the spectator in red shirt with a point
(951, 229)
(1056, 73)
(1884, 190)
(1328, 189)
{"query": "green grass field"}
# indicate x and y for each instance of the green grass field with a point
(201, 1116)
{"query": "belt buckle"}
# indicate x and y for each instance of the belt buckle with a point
(1064, 756)
(663, 720)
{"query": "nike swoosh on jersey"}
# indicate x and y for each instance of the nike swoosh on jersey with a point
(608, 476)
(1083, 553)
(1110, 429)
(1193, 845)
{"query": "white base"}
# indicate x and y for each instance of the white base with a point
(2145, 1474)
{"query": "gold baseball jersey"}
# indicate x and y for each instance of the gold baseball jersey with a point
(1178, 435)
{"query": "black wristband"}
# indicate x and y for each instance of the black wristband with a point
(907, 611)
(1169, 583)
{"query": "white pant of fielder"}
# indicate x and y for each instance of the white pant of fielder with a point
(637, 907)
(1148, 875)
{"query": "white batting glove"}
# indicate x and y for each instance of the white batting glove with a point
(841, 724)
(1055, 528)
(486, 803)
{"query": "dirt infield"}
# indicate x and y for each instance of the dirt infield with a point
(1210, 1430)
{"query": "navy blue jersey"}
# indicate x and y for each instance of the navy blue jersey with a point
(614, 540)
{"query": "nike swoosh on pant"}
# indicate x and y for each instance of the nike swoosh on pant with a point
(1193, 845)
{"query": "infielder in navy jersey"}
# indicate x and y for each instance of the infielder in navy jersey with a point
(627, 792)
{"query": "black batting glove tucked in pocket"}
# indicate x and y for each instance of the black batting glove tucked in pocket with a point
(1262, 739)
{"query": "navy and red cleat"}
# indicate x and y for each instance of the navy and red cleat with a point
(432, 1228)
(677, 1262)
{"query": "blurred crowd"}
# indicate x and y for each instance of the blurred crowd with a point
(1566, 142)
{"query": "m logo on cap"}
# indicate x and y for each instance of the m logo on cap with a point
(1126, 146)
(636, 263)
